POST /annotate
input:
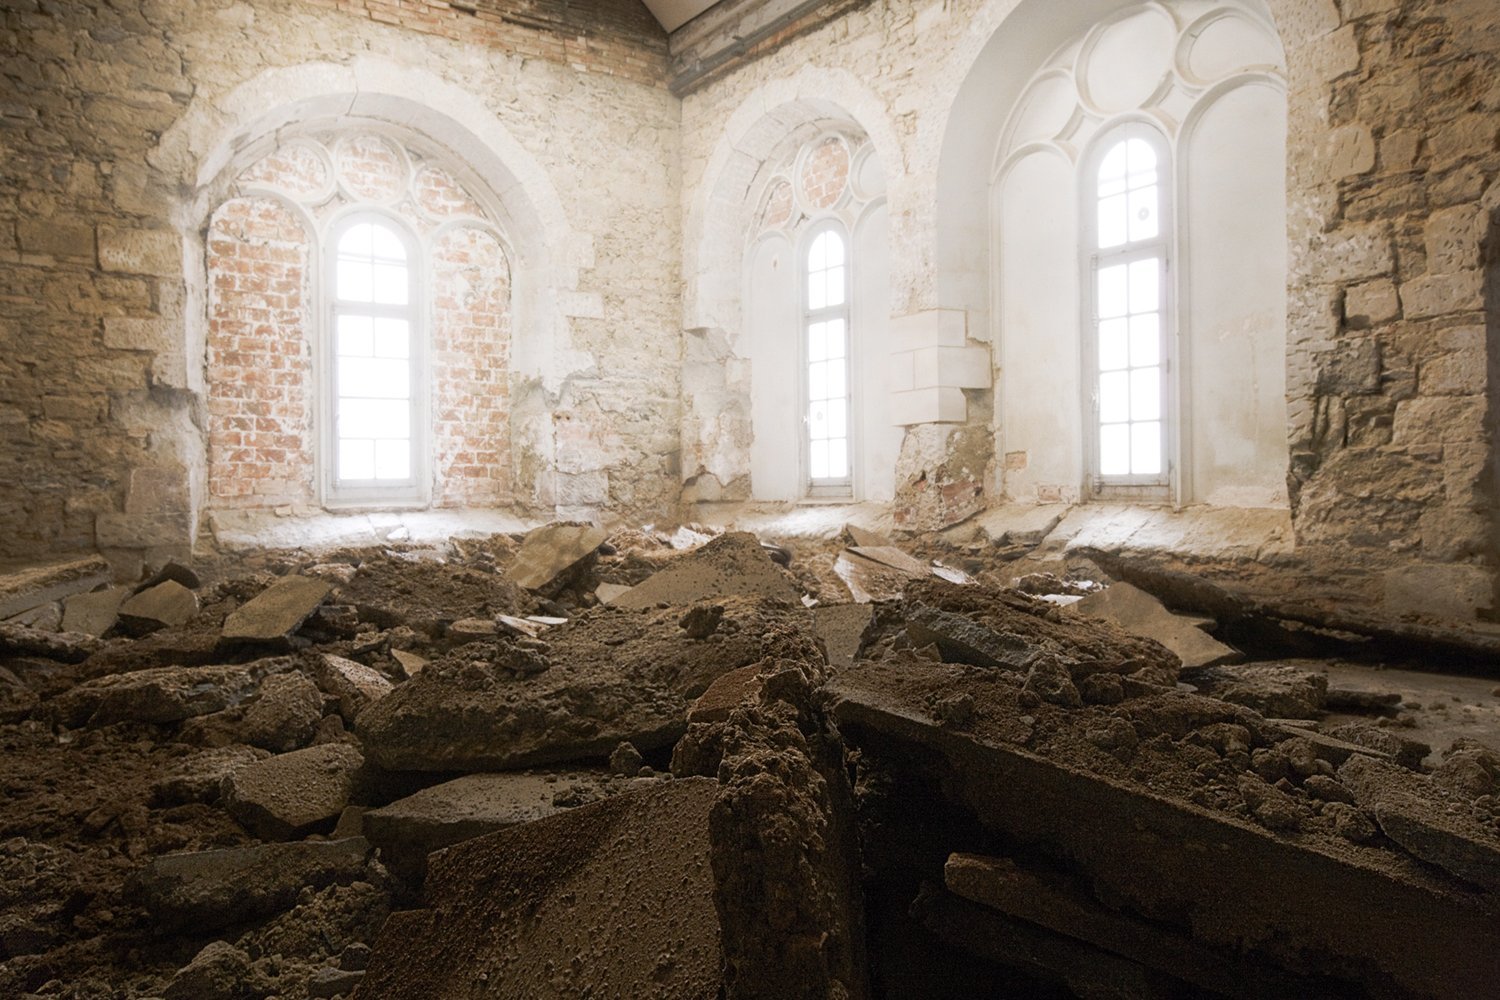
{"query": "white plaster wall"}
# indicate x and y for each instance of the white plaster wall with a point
(877, 441)
(771, 336)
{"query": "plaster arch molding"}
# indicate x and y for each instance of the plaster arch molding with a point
(718, 216)
(216, 132)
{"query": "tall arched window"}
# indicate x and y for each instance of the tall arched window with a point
(825, 324)
(1127, 263)
(372, 396)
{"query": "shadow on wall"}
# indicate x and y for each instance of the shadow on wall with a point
(1491, 258)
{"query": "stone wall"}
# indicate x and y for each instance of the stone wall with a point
(123, 126)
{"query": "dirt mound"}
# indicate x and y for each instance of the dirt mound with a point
(428, 596)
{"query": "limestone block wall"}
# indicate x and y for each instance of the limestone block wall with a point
(123, 127)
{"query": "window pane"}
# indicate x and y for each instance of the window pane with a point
(838, 458)
(817, 295)
(390, 284)
(1141, 157)
(1114, 397)
(818, 459)
(838, 418)
(817, 420)
(817, 380)
(1145, 449)
(1113, 341)
(1113, 225)
(356, 336)
(386, 245)
(1112, 297)
(1145, 339)
(1145, 394)
(374, 378)
(391, 338)
(1114, 164)
(836, 377)
(1114, 450)
(835, 335)
(374, 418)
(835, 249)
(834, 286)
(354, 281)
(817, 342)
(1145, 294)
(1144, 224)
(356, 459)
(358, 241)
(392, 459)
(817, 254)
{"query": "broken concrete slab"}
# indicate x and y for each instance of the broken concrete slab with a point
(285, 713)
(869, 581)
(841, 627)
(411, 663)
(1437, 827)
(1138, 612)
(163, 694)
(1373, 911)
(864, 538)
(893, 558)
(275, 613)
(614, 675)
(293, 792)
(732, 564)
(198, 778)
(608, 593)
(409, 829)
(64, 647)
(614, 899)
(167, 604)
(551, 550)
(94, 613)
(172, 570)
(355, 685)
(726, 693)
(1277, 690)
(45, 617)
(207, 890)
(1019, 524)
(23, 587)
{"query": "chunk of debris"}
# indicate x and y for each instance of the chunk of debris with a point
(205, 890)
(220, 971)
(46, 617)
(411, 663)
(544, 902)
(355, 685)
(841, 626)
(701, 620)
(27, 587)
(162, 606)
(293, 792)
(608, 593)
(64, 647)
(864, 538)
(94, 613)
(467, 630)
(732, 564)
(1138, 612)
(1278, 690)
(285, 713)
(551, 550)
(198, 778)
(162, 695)
(276, 612)
(172, 570)
(725, 694)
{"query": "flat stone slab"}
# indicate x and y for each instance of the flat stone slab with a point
(409, 829)
(94, 613)
(840, 626)
(355, 685)
(293, 792)
(614, 899)
(65, 647)
(608, 593)
(725, 694)
(893, 558)
(549, 551)
(1136, 611)
(732, 564)
(206, 890)
(25, 587)
(162, 695)
(276, 612)
(166, 604)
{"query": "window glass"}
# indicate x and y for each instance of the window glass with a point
(827, 372)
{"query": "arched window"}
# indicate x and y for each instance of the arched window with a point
(371, 390)
(825, 323)
(1127, 263)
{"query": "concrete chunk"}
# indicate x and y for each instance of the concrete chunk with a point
(733, 563)
(294, 792)
(161, 695)
(94, 613)
(1136, 611)
(549, 551)
(355, 685)
(26, 587)
(276, 612)
(167, 604)
(65, 647)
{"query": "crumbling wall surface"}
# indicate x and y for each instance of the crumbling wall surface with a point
(123, 123)
(1394, 158)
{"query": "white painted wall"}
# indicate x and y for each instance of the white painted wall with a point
(877, 440)
(772, 328)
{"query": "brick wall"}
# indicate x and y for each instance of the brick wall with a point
(260, 388)
(825, 174)
(470, 361)
(614, 37)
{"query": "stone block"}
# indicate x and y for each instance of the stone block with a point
(56, 237)
(938, 405)
(167, 604)
(1371, 303)
(902, 371)
(1459, 374)
(131, 333)
(1457, 592)
(1441, 294)
(141, 251)
(31, 586)
(355, 685)
(1356, 252)
(276, 612)
(161, 695)
(1452, 237)
(94, 613)
(549, 551)
(1349, 151)
(1353, 369)
(293, 792)
(157, 489)
(143, 531)
(930, 328)
(77, 409)
(1441, 419)
(962, 367)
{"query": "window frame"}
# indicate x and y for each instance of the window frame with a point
(1159, 487)
(416, 490)
(841, 488)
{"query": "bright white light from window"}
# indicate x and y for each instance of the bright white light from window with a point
(1128, 195)
(372, 347)
(827, 359)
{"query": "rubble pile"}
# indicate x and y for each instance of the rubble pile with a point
(663, 765)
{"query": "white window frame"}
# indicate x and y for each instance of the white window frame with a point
(842, 487)
(1158, 487)
(414, 491)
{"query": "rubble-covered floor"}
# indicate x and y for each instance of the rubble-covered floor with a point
(647, 763)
